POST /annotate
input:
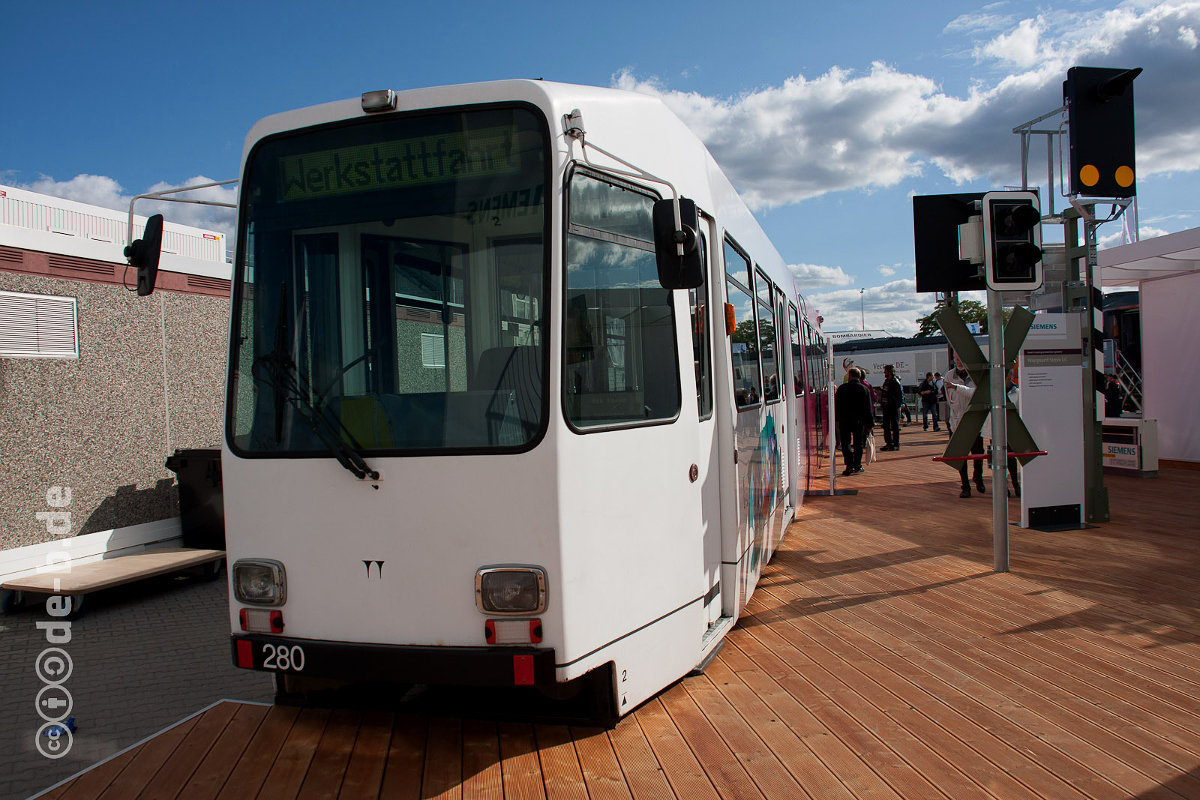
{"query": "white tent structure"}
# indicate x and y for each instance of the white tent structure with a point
(1166, 271)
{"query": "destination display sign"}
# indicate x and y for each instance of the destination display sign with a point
(400, 163)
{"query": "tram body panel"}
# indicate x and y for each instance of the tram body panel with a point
(421, 547)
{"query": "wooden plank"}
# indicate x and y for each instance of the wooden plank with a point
(105, 574)
(323, 781)
(727, 775)
(292, 762)
(403, 773)
(875, 746)
(563, 774)
(807, 768)
(442, 774)
(252, 768)
(915, 711)
(174, 775)
(364, 774)
(18, 562)
(482, 776)
(148, 761)
(600, 768)
(218, 764)
(1000, 718)
(761, 762)
(1018, 676)
(644, 776)
(91, 784)
(680, 767)
(519, 765)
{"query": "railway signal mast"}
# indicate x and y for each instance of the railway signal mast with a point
(1099, 116)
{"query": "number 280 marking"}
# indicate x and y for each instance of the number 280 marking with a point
(283, 657)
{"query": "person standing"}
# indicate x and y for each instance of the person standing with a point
(891, 398)
(959, 391)
(852, 406)
(927, 391)
(1114, 397)
(1013, 395)
(943, 408)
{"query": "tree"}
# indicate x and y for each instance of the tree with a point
(969, 310)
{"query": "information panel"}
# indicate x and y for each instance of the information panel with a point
(1051, 399)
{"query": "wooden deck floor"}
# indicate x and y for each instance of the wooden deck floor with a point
(880, 658)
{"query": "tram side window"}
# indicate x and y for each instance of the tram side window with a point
(701, 347)
(621, 363)
(747, 381)
(797, 351)
(818, 365)
(766, 338)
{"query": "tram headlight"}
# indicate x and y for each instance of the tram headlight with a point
(510, 590)
(259, 582)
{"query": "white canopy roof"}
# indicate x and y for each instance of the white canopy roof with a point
(1160, 257)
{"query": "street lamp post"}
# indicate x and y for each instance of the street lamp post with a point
(861, 308)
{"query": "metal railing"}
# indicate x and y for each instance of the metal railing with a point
(1130, 381)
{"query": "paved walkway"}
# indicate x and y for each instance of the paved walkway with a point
(144, 656)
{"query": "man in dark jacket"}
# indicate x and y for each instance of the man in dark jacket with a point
(928, 393)
(855, 417)
(891, 397)
(1114, 397)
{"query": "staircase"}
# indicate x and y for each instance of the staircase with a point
(1130, 381)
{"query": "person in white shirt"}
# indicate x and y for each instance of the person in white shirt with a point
(959, 391)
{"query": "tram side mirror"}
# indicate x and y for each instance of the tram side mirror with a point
(676, 271)
(144, 253)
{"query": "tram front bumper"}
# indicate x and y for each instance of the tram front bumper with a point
(455, 666)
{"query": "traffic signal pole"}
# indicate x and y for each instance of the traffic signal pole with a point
(1081, 294)
(999, 450)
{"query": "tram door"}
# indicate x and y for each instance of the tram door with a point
(794, 462)
(706, 317)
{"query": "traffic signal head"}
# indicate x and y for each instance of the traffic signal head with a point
(1099, 105)
(144, 253)
(940, 265)
(1012, 241)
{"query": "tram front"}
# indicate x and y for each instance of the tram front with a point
(387, 392)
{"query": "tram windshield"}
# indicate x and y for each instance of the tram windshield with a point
(390, 288)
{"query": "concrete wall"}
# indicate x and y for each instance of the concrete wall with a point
(99, 423)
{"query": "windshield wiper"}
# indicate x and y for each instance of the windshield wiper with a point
(285, 383)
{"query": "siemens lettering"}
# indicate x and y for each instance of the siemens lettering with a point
(392, 165)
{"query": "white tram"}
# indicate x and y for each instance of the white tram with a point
(470, 436)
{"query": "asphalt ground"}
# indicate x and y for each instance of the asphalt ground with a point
(142, 657)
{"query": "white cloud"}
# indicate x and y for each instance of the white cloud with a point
(984, 20)
(1019, 46)
(815, 276)
(1114, 239)
(850, 130)
(887, 271)
(96, 190)
(893, 307)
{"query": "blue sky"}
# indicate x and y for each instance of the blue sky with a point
(827, 117)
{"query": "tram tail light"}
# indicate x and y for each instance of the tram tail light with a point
(513, 631)
(730, 320)
(260, 620)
